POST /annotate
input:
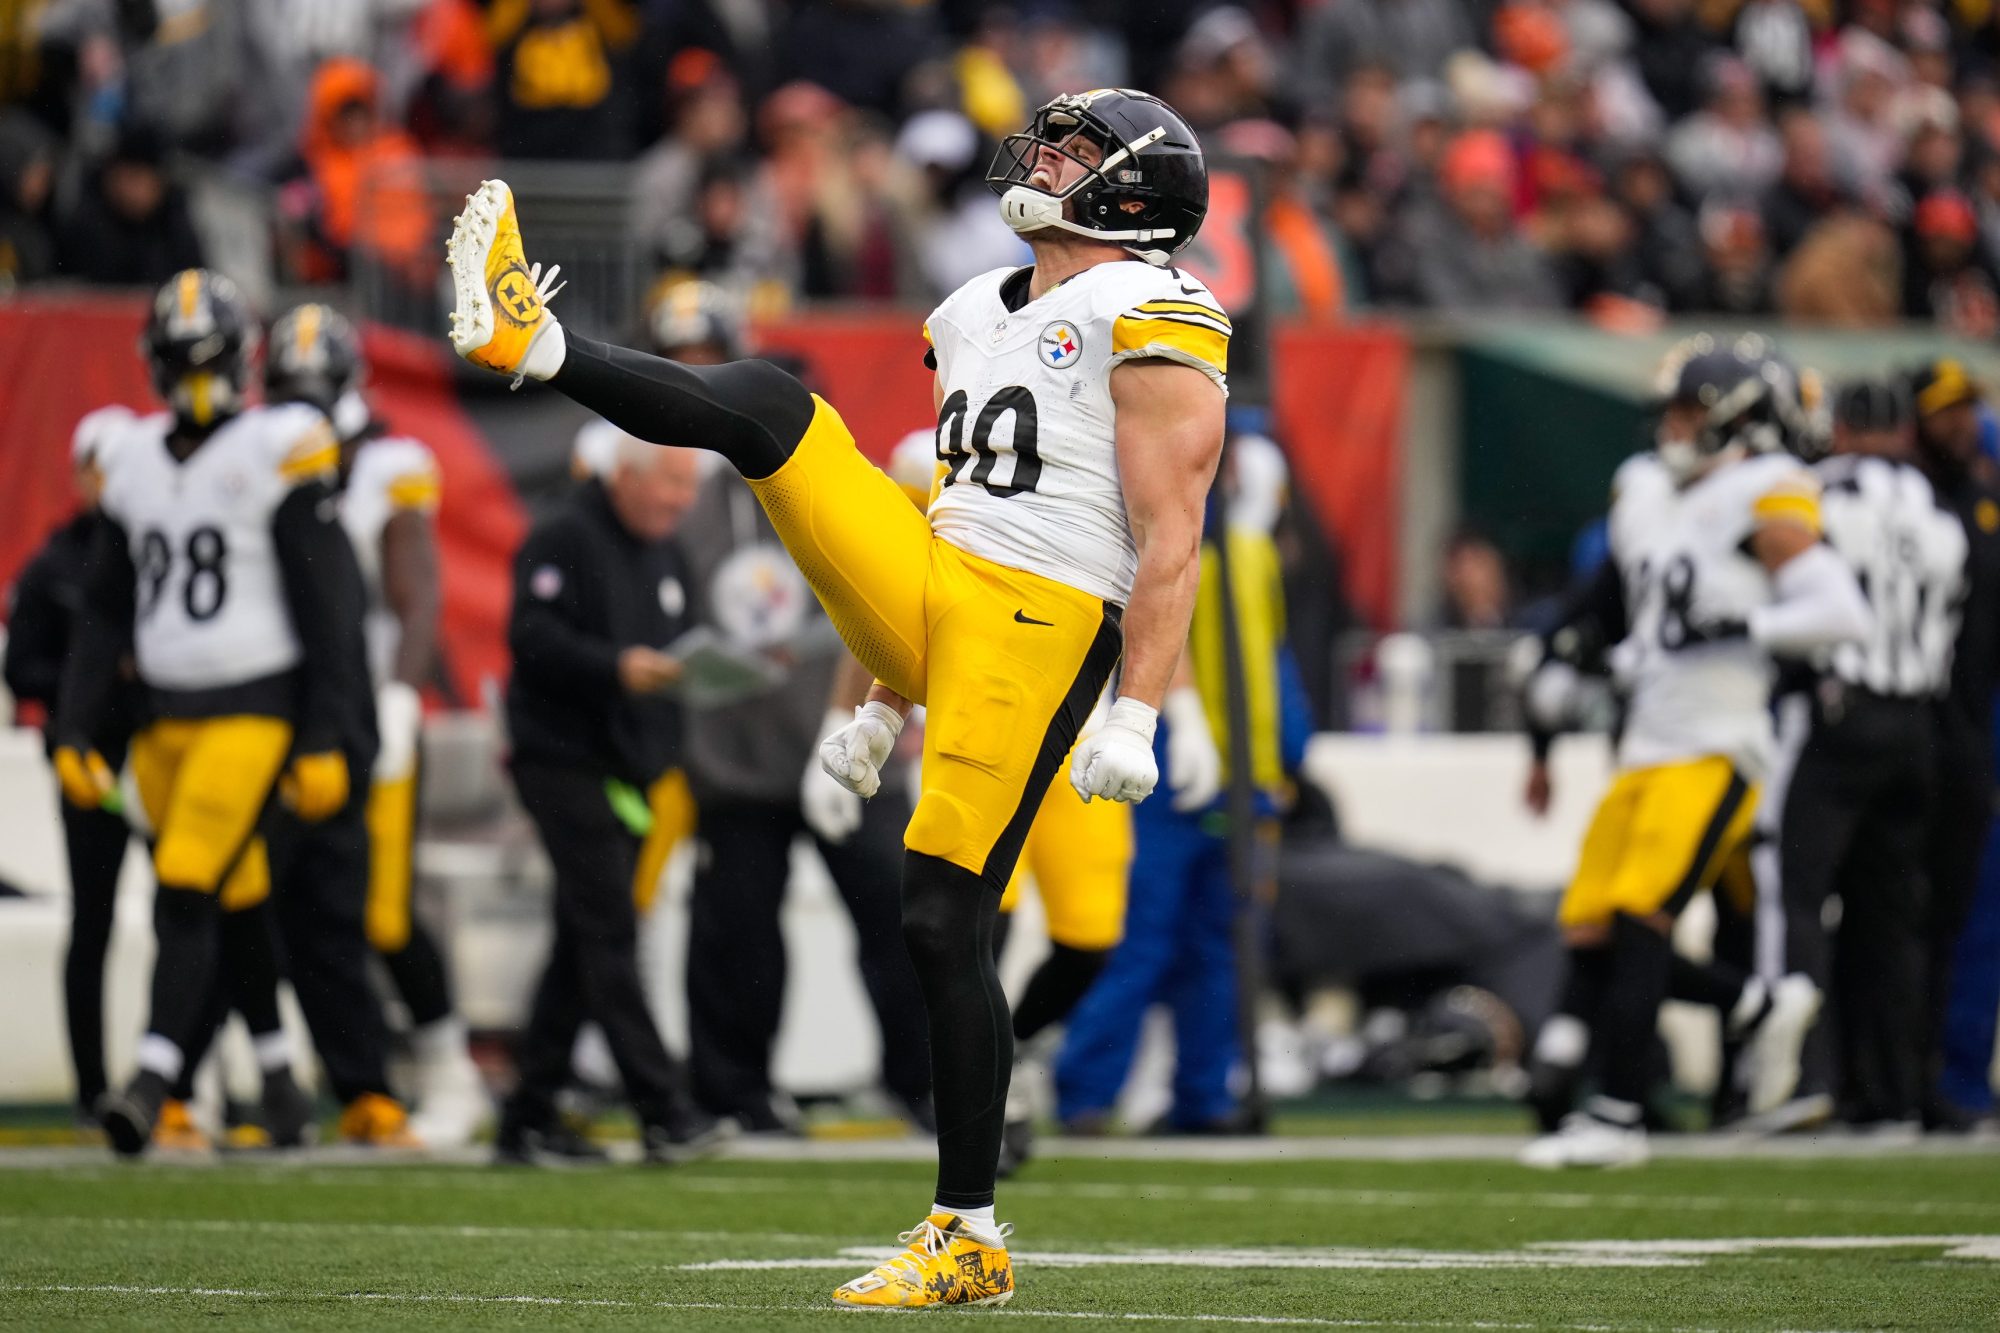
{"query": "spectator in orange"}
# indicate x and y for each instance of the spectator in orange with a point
(362, 190)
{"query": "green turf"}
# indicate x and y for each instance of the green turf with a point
(376, 1246)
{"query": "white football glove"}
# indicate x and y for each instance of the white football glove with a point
(830, 809)
(1194, 765)
(399, 721)
(853, 754)
(1115, 762)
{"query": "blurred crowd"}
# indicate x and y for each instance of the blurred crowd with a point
(1833, 162)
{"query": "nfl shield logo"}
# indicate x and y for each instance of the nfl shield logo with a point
(1061, 345)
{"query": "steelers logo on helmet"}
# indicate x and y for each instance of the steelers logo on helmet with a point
(1061, 345)
(515, 298)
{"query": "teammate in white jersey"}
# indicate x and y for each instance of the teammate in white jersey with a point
(1717, 570)
(1080, 411)
(215, 571)
(1847, 805)
(389, 493)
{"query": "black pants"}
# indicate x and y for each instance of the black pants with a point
(1961, 811)
(1853, 825)
(95, 841)
(736, 952)
(593, 967)
(319, 886)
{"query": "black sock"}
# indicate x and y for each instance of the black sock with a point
(750, 412)
(418, 971)
(187, 926)
(1623, 1034)
(214, 1015)
(948, 918)
(1716, 983)
(250, 957)
(1583, 987)
(1055, 988)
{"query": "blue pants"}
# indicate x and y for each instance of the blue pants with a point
(1177, 951)
(1975, 992)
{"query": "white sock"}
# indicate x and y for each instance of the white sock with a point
(1750, 1005)
(274, 1053)
(159, 1055)
(439, 1041)
(545, 352)
(979, 1221)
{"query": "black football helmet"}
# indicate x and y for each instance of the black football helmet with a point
(1751, 397)
(314, 357)
(1146, 154)
(199, 343)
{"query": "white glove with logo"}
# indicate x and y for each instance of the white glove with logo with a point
(1115, 762)
(830, 809)
(399, 720)
(853, 754)
(1194, 765)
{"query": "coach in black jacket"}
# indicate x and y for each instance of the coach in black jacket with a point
(40, 627)
(599, 591)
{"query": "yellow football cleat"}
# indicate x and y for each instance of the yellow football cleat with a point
(376, 1121)
(944, 1265)
(176, 1131)
(501, 308)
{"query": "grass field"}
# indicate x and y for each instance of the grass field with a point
(1908, 1242)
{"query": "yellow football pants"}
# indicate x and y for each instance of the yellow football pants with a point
(1080, 855)
(1659, 835)
(1007, 662)
(204, 783)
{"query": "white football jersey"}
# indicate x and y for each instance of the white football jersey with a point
(211, 607)
(1685, 558)
(1027, 428)
(1908, 554)
(388, 476)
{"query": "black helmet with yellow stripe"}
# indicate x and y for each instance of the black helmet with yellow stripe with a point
(199, 342)
(314, 357)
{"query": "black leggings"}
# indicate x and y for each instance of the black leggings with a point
(750, 412)
(95, 841)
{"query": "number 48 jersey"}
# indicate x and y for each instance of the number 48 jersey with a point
(1688, 572)
(1026, 432)
(210, 599)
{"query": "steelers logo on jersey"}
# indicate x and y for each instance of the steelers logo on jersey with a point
(514, 296)
(1061, 345)
(673, 597)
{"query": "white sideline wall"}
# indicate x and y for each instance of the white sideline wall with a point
(1438, 798)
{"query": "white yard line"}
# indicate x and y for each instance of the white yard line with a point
(1257, 1321)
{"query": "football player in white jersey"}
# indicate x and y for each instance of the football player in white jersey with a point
(1080, 415)
(1717, 552)
(389, 492)
(211, 574)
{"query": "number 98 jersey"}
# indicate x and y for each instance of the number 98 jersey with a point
(210, 606)
(1689, 572)
(1026, 431)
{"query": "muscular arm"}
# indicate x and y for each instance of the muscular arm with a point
(411, 588)
(1170, 426)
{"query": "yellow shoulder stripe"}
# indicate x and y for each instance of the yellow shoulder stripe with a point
(316, 451)
(415, 490)
(1789, 505)
(1186, 336)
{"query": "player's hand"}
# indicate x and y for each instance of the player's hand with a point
(643, 670)
(315, 786)
(86, 780)
(1115, 762)
(1539, 791)
(831, 811)
(853, 754)
(399, 720)
(1194, 765)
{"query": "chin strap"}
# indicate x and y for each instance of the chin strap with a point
(1026, 209)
